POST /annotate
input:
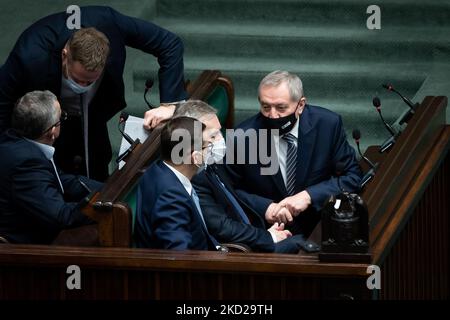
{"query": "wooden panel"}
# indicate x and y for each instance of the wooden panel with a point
(418, 265)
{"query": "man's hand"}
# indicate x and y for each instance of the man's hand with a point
(296, 203)
(278, 232)
(154, 117)
(277, 212)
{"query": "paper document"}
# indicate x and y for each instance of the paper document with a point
(134, 128)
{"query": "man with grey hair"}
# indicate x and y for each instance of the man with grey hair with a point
(228, 218)
(309, 142)
(36, 200)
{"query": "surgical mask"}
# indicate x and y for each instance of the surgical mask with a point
(216, 153)
(75, 87)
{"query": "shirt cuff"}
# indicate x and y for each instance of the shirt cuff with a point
(274, 237)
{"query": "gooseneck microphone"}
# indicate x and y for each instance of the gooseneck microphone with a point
(389, 87)
(148, 85)
(123, 118)
(373, 167)
(411, 105)
(391, 140)
(377, 104)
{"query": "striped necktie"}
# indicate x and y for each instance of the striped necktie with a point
(291, 162)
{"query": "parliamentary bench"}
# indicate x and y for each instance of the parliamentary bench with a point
(408, 209)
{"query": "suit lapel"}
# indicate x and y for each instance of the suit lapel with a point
(307, 134)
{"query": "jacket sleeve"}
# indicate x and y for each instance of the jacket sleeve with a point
(36, 193)
(223, 227)
(258, 203)
(164, 45)
(73, 186)
(11, 87)
(349, 180)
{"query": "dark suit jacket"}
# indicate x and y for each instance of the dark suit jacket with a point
(322, 144)
(166, 216)
(223, 222)
(32, 206)
(35, 64)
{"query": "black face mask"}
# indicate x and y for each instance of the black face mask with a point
(283, 124)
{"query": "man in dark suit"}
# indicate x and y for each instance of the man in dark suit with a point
(84, 69)
(37, 201)
(168, 213)
(305, 143)
(228, 218)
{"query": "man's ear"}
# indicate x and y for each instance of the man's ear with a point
(301, 104)
(52, 134)
(197, 158)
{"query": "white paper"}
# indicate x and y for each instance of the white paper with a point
(134, 128)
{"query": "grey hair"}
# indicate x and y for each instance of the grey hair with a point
(196, 109)
(275, 78)
(34, 113)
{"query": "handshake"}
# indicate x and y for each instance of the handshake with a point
(283, 213)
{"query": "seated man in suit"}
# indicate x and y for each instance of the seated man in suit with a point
(36, 200)
(305, 143)
(168, 214)
(227, 217)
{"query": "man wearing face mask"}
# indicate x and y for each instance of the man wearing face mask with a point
(84, 69)
(309, 144)
(168, 213)
(229, 219)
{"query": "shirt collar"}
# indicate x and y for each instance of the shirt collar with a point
(48, 151)
(183, 179)
(294, 130)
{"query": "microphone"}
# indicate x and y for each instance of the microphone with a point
(148, 85)
(389, 87)
(391, 140)
(411, 106)
(122, 119)
(373, 167)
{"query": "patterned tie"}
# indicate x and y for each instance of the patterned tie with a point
(291, 162)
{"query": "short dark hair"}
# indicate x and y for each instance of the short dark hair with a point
(174, 133)
(34, 113)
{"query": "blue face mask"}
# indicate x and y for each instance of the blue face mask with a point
(75, 87)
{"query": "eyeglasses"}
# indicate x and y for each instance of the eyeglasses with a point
(62, 118)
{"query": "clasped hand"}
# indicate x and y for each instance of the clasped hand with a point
(288, 208)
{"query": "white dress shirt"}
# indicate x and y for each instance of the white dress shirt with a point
(281, 148)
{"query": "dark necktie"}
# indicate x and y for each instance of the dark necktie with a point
(291, 162)
(229, 197)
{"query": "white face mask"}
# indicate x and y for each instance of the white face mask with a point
(75, 87)
(216, 153)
